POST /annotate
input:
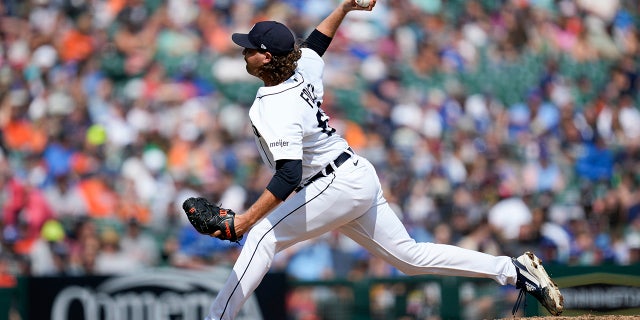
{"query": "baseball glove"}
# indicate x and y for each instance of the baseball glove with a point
(207, 218)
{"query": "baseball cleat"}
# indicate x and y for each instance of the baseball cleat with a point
(534, 280)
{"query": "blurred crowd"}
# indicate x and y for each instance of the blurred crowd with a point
(498, 126)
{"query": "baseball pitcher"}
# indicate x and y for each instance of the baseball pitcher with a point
(320, 184)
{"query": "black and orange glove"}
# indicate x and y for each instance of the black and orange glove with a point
(207, 218)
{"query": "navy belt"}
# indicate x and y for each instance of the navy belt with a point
(344, 156)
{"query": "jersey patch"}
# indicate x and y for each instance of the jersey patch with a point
(279, 143)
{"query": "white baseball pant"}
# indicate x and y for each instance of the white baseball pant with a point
(350, 200)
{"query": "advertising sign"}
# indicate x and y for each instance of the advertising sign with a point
(156, 294)
(599, 290)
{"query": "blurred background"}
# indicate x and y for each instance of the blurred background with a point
(498, 126)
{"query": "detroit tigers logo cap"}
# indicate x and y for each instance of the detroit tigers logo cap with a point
(270, 36)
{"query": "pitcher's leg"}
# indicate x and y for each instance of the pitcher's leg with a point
(383, 234)
(321, 207)
(249, 269)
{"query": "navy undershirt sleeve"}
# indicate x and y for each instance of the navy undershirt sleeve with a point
(318, 42)
(286, 179)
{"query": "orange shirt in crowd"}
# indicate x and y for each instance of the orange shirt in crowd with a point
(76, 46)
(23, 135)
(7, 281)
(99, 199)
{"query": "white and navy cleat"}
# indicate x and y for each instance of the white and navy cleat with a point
(534, 280)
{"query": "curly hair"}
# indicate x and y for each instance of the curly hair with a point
(281, 67)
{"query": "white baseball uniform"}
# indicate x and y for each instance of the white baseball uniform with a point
(289, 124)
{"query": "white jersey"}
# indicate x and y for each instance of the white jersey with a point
(289, 123)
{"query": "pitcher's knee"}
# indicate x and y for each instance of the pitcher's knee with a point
(411, 259)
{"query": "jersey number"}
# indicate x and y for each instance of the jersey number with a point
(323, 122)
(308, 94)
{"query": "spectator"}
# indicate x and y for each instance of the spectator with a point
(138, 245)
(509, 216)
(27, 206)
(111, 258)
(83, 245)
(48, 253)
(596, 162)
(76, 44)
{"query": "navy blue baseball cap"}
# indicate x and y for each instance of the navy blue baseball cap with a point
(271, 36)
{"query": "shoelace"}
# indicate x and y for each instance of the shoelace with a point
(521, 298)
